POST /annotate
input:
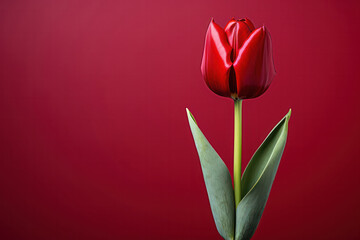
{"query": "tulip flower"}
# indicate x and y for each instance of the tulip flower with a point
(237, 61)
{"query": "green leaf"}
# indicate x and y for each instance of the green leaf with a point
(257, 180)
(218, 182)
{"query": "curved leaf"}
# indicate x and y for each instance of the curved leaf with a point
(218, 182)
(257, 180)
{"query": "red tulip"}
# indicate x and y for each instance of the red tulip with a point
(237, 61)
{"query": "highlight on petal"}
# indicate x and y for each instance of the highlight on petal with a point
(216, 62)
(254, 65)
(248, 23)
(232, 21)
(237, 32)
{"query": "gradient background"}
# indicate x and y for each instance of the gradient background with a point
(94, 139)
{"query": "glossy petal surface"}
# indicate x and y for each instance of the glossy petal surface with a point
(237, 61)
(249, 24)
(237, 32)
(254, 65)
(216, 62)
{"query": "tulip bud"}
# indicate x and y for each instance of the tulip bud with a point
(237, 61)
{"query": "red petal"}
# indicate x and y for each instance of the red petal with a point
(254, 65)
(216, 63)
(248, 23)
(237, 33)
(231, 22)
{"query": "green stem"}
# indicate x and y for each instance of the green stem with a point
(237, 150)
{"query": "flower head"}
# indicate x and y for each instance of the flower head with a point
(237, 61)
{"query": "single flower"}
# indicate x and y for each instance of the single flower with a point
(237, 61)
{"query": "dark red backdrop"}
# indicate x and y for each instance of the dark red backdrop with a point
(94, 140)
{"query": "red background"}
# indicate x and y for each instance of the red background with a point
(94, 139)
